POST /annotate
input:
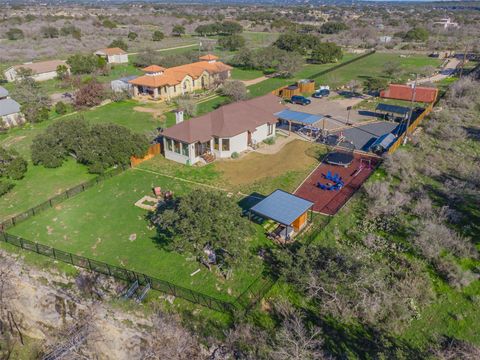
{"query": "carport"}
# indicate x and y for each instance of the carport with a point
(298, 118)
(288, 210)
(392, 110)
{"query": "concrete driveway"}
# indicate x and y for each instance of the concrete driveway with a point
(334, 108)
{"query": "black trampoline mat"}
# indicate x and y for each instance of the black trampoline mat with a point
(339, 158)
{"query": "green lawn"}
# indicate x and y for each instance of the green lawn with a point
(243, 74)
(371, 66)
(100, 222)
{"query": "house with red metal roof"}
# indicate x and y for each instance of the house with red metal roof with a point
(232, 128)
(406, 92)
(161, 83)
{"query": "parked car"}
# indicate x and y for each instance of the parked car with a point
(321, 93)
(300, 100)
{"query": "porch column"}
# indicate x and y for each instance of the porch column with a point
(289, 128)
(155, 93)
(135, 90)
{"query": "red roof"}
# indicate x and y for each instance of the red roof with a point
(153, 68)
(405, 92)
(208, 57)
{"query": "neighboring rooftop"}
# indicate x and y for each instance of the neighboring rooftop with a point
(405, 92)
(393, 109)
(208, 57)
(42, 67)
(3, 92)
(175, 75)
(111, 51)
(282, 207)
(228, 120)
(9, 106)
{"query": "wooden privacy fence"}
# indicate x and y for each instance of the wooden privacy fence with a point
(410, 129)
(153, 150)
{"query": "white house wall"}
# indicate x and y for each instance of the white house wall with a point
(117, 59)
(261, 133)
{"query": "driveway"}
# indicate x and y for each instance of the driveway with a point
(446, 72)
(334, 108)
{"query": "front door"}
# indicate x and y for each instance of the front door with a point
(201, 148)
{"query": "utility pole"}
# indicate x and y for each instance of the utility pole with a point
(463, 61)
(410, 114)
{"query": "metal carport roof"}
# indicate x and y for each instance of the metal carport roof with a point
(299, 117)
(282, 207)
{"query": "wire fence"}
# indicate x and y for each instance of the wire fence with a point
(119, 273)
(57, 199)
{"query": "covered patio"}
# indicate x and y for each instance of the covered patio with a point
(392, 112)
(307, 124)
(289, 213)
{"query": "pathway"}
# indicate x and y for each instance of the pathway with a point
(168, 49)
(446, 72)
(254, 81)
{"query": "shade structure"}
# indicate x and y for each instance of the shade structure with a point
(298, 117)
(282, 207)
(393, 109)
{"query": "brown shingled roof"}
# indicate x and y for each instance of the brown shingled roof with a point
(112, 51)
(42, 66)
(228, 120)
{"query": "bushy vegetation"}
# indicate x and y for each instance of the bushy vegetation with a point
(98, 146)
(12, 167)
(204, 220)
(223, 28)
(35, 104)
(85, 64)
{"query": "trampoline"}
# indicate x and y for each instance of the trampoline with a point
(339, 158)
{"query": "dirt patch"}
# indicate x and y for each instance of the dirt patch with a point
(157, 113)
(11, 141)
(294, 156)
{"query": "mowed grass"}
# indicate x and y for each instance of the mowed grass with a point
(252, 173)
(370, 66)
(40, 183)
(103, 223)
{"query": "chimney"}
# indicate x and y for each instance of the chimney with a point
(178, 116)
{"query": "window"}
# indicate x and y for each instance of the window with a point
(216, 142)
(169, 145)
(178, 147)
(270, 129)
(225, 144)
(184, 149)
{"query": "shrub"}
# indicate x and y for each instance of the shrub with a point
(12, 165)
(85, 64)
(333, 27)
(417, 34)
(61, 108)
(326, 52)
(232, 42)
(270, 141)
(235, 155)
(234, 89)
(157, 35)
(119, 43)
(132, 36)
(15, 34)
(89, 95)
(50, 32)
(5, 187)
(109, 24)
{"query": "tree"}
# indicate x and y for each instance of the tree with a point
(178, 30)
(375, 84)
(296, 42)
(69, 29)
(62, 72)
(234, 89)
(230, 28)
(12, 165)
(326, 52)
(188, 104)
(391, 68)
(85, 64)
(35, 103)
(417, 34)
(232, 42)
(333, 27)
(132, 36)
(89, 95)
(15, 34)
(99, 146)
(119, 43)
(354, 86)
(49, 32)
(61, 108)
(291, 63)
(157, 35)
(204, 220)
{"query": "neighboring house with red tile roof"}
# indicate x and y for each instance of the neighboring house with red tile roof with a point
(41, 71)
(164, 84)
(405, 92)
(232, 128)
(113, 55)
